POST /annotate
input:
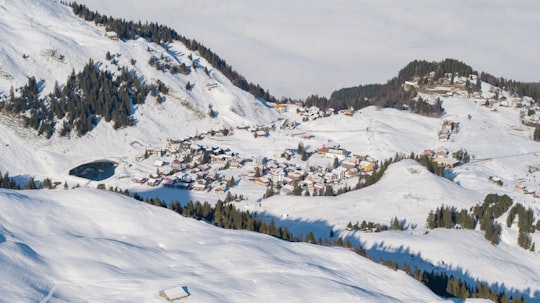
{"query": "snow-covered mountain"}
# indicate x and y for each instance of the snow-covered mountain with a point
(51, 43)
(81, 244)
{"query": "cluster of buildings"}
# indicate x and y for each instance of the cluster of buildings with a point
(448, 127)
(442, 158)
(451, 84)
(263, 130)
(287, 176)
(307, 114)
(529, 112)
(524, 190)
(312, 112)
(185, 164)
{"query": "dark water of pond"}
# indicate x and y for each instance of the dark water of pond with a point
(96, 171)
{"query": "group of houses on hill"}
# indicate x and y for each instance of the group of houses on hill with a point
(311, 113)
(185, 164)
(263, 130)
(307, 114)
(287, 176)
(529, 112)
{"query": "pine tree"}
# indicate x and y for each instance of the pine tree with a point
(31, 184)
(229, 197)
(328, 190)
(418, 275)
(364, 225)
(447, 218)
(452, 287)
(47, 183)
(396, 224)
(250, 224)
(304, 155)
(524, 240)
(269, 192)
(536, 135)
(310, 238)
(300, 148)
(407, 268)
(482, 290)
(297, 191)
(211, 112)
(463, 291)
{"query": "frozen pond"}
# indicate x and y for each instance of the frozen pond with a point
(96, 171)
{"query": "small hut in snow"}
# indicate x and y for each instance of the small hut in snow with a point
(111, 35)
(174, 293)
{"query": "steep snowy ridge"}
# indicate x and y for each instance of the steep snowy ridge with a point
(51, 42)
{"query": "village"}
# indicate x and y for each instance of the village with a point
(456, 86)
(186, 164)
(189, 165)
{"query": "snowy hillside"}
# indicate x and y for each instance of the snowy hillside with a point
(51, 42)
(500, 147)
(90, 245)
(503, 148)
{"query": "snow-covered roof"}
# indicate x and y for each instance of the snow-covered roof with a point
(174, 293)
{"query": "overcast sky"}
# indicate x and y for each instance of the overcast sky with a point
(303, 47)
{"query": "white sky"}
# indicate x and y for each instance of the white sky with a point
(303, 47)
